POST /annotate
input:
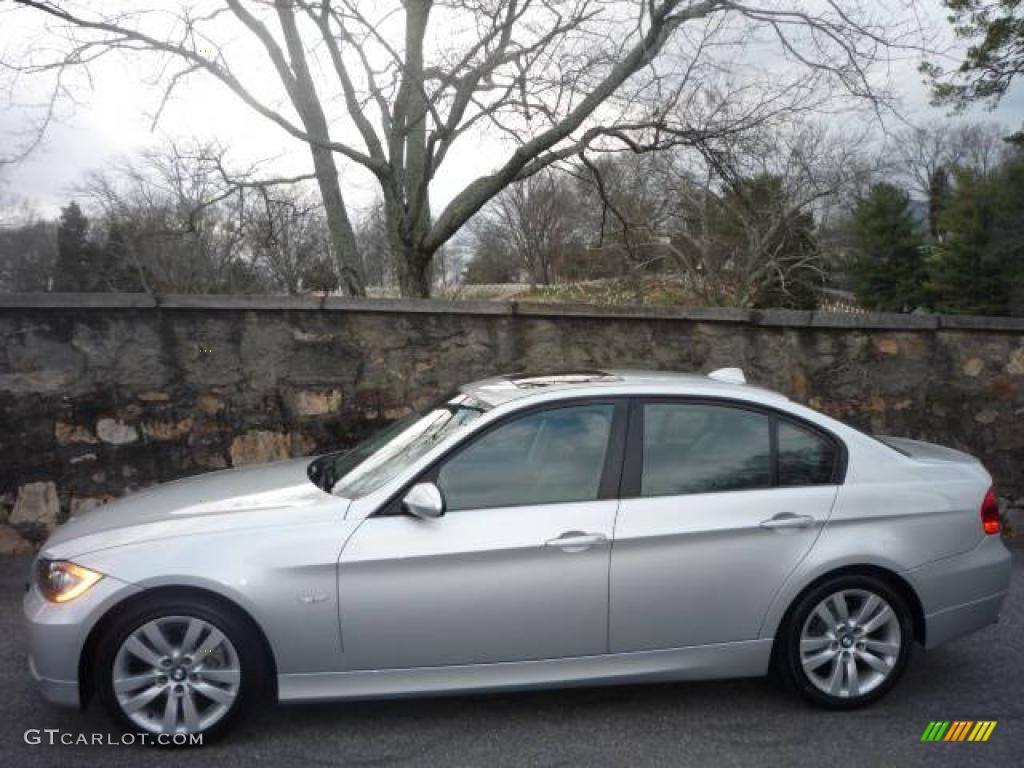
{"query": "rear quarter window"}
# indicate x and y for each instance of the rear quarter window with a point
(805, 457)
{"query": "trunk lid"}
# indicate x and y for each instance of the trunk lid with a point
(929, 453)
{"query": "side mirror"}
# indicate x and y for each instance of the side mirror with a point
(424, 500)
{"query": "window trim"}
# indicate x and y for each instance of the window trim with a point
(611, 474)
(632, 473)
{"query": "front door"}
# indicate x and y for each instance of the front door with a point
(517, 568)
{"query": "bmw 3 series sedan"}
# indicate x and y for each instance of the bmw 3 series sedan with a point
(596, 527)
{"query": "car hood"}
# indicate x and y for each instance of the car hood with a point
(255, 496)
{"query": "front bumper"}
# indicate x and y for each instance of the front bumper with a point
(963, 593)
(63, 693)
(58, 632)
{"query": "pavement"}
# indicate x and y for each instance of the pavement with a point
(728, 723)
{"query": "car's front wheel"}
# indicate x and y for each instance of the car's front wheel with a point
(175, 667)
(847, 641)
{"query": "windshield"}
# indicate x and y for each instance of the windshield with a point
(387, 453)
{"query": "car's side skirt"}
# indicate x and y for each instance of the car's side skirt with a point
(740, 659)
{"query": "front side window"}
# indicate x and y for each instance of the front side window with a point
(546, 457)
(700, 448)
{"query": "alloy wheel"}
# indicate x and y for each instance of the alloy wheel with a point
(850, 643)
(176, 674)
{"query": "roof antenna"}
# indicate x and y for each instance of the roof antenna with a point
(729, 375)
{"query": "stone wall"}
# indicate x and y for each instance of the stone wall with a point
(104, 394)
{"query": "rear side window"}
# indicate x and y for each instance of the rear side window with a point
(555, 455)
(805, 457)
(701, 448)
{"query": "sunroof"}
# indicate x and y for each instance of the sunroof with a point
(562, 377)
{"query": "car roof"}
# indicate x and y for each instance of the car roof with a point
(497, 390)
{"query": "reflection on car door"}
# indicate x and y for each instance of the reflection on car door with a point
(516, 569)
(712, 521)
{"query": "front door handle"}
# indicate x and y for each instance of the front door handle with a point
(575, 541)
(787, 520)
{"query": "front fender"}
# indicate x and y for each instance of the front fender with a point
(285, 579)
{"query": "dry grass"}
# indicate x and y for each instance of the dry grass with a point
(654, 291)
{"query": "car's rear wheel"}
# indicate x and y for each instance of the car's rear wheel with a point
(175, 667)
(847, 641)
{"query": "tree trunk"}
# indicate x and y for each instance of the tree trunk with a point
(343, 238)
(408, 210)
(302, 92)
(414, 274)
(413, 264)
(411, 260)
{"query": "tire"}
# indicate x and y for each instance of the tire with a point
(815, 656)
(211, 662)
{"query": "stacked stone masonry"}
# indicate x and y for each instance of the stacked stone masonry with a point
(104, 394)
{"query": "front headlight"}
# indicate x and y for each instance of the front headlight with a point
(61, 581)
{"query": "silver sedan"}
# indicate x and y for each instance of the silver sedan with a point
(594, 527)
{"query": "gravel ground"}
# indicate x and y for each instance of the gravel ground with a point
(727, 723)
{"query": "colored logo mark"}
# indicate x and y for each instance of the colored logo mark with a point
(958, 730)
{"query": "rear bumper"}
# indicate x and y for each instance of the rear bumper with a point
(963, 593)
(961, 620)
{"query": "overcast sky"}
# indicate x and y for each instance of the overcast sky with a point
(115, 115)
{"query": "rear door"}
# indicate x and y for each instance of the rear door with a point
(720, 503)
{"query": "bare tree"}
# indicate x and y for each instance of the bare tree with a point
(286, 234)
(746, 214)
(628, 206)
(983, 147)
(553, 77)
(922, 153)
(379, 267)
(494, 260)
(188, 224)
(928, 158)
(14, 210)
(735, 220)
(537, 218)
(28, 246)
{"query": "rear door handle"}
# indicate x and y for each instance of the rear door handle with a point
(787, 520)
(575, 541)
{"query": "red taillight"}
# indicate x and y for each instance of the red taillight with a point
(990, 512)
